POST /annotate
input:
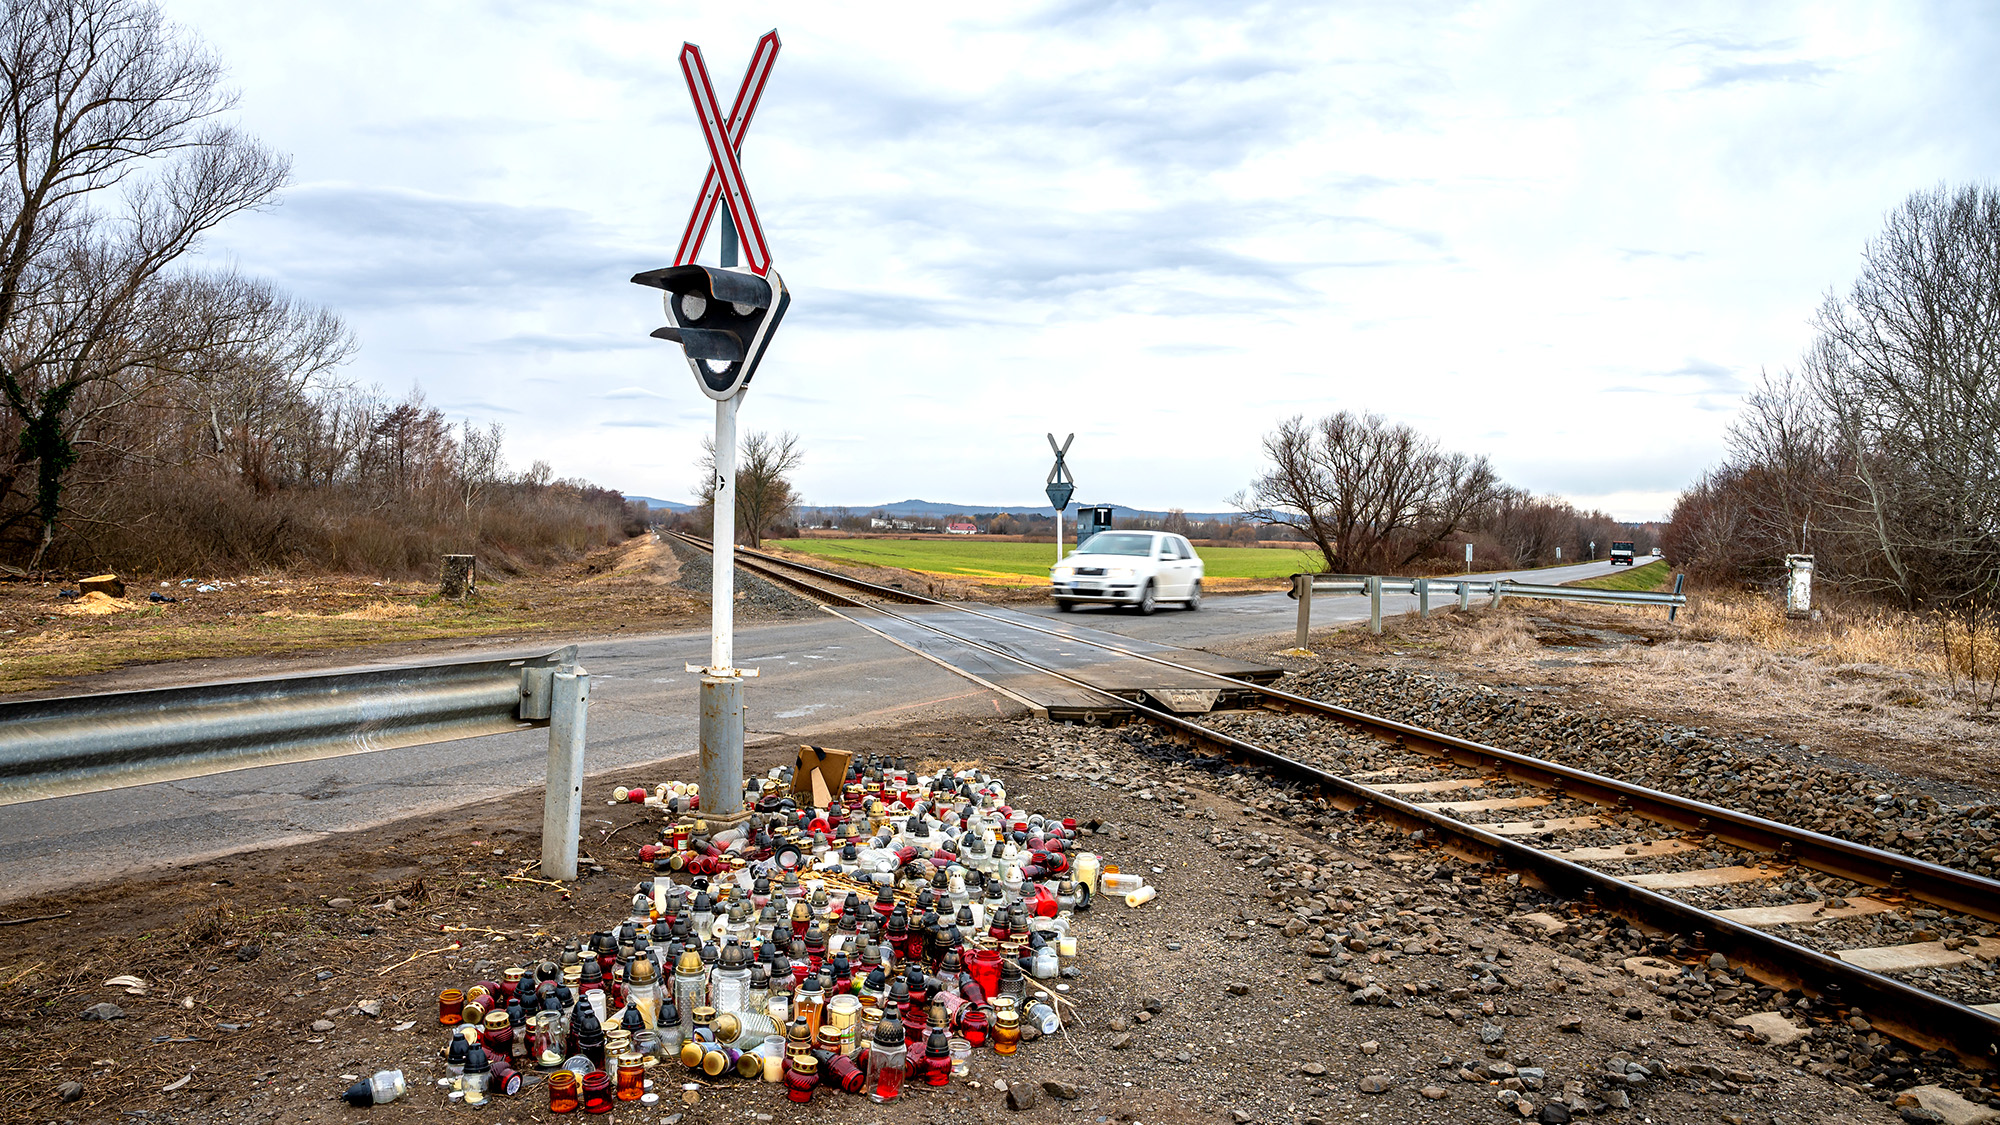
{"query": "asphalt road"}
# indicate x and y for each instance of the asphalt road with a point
(817, 675)
(1251, 615)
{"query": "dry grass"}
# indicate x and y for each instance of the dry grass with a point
(44, 645)
(1865, 682)
(1941, 650)
(383, 611)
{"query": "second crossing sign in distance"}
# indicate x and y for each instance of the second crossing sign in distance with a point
(1061, 485)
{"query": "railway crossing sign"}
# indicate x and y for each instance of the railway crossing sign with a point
(723, 318)
(1061, 485)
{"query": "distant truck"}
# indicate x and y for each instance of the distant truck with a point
(1621, 553)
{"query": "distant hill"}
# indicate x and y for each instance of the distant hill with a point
(660, 505)
(908, 508)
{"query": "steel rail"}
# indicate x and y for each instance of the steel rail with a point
(1923, 1018)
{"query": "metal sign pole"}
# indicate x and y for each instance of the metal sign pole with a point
(721, 684)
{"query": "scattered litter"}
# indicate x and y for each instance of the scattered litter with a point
(132, 985)
(156, 596)
(177, 1083)
(380, 1088)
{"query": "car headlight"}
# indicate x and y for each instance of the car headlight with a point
(1064, 572)
(1120, 572)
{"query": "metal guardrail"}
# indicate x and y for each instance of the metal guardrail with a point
(1491, 590)
(90, 743)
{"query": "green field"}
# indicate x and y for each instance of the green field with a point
(1000, 562)
(1643, 576)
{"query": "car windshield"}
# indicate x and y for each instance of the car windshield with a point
(1117, 543)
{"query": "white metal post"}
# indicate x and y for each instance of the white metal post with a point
(1302, 586)
(562, 802)
(1423, 599)
(1058, 536)
(722, 587)
(1375, 604)
(721, 769)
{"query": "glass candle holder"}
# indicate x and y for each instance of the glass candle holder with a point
(961, 1057)
(984, 965)
(597, 1095)
(631, 1076)
(801, 1075)
(773, 1054)
(562, 1091)
(451, 1004)
(842, 1012)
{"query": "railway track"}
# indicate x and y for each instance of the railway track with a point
(1791, 908)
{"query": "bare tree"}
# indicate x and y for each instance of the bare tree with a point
(480, 464)
(117, 165)
(764, 493)
(1909, 372)
(1365, 491)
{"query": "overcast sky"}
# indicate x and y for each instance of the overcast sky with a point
(1566, 236)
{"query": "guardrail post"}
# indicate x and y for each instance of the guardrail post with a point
(1672, 610)
(1464, 596)
(562, 800)
(1302, 588)
(1496, 594)
(1375, 604)
(1423, 599)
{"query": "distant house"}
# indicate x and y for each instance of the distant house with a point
(962, 529)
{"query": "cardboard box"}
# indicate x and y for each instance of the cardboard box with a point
(819, 775)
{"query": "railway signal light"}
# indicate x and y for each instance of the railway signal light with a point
(722, 319)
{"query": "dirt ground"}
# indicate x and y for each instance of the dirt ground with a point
(1297, 960)
(49, 637)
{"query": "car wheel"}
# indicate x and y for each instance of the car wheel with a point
(1145, 604)
(1064, 605)
(1194, 596)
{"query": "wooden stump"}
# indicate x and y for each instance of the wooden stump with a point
(106, 584)
(457, 581)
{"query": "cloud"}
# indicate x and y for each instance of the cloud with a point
(1700, 377)
(634, 392)
(471, 406)
(1631, 254)
(541, 342)
(1732, 74)
(360, 247)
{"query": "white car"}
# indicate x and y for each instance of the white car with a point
(1130, 568)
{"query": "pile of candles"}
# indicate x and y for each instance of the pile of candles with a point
(879, 941)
